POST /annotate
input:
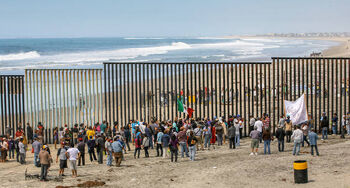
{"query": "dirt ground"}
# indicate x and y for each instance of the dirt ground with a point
(219, 167)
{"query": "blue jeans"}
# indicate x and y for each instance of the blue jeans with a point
(11, 151)
(109, 158)
(183, 147)
(324, 133)
(296, 148)
(334, 129)
(207, 140)
(267, 145)
(192, 152)
(281, 145)
(36, 159)
(237, 140)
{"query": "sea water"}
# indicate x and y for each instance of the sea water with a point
(19, 54)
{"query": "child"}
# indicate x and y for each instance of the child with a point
(61, 153)
(137, 143)
(313, 142)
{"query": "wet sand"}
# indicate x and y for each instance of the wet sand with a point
(220, 168)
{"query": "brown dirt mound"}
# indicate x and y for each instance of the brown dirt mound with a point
(91, 184)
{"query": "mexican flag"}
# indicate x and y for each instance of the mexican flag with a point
(182, 108)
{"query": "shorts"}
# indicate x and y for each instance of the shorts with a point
(73, 164)
(63, 164)
(255, 143)
(199, 139)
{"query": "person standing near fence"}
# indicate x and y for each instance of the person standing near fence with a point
(36, 146)
(117, 151)
(159, 136)
(288, 126)
(255, 136)
(81, 148)
(334, 123)
(280, 134)
(192, 145)
(231, 133)
(22, 151)
(174, 143)
(267, 137)
(100, 148)
(45, 161)
(313, 142)
(237, 128)
(73, 154)
(324, 125)
(259, 126)
(91, 148)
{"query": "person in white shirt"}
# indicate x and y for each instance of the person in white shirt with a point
(237, 126)
(297, 136)
(259, 124)
(73, 154)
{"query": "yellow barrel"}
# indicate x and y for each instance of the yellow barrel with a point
(300, 171)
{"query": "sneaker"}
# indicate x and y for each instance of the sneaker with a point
(251, 154)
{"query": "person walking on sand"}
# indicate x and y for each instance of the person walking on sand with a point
(259, 126)
(174, 143)
(138, 143)
(267, 137)
(231, 133)
(45, 161)
(198, 132)
(73, 153)
(61, 154)
(305, 129)
(108, 148)
(288, 126)
(117, 151)
(36, 149)
(146, 145)
(254, 135)
(280, 134)
(297, 136)
(313, 142)
(181, 136)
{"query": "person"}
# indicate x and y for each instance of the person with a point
(100, 147)
(91, 148)
(288, 126)
(22, 151)
(81, 148)
(29, 133)
(267, 137)
(213, 134)
(127, 136)
(334, 123)
(159, 142)
(305, 129)
(73, 154)
(117, 151)
(251, 123)
(297, 136)
(280, 134)
(61, 154)
(138, 143)
(165, 143)
(45, 161)
(181, 136)
(173, 147)
(347, 122)
(103, 126)
(220, 132)
(146, 145)
(255, 136)
(75, 132)
(198, 132)
(36, 149)
(343, 127)
(324, 125)
(237, 136)
(207, 136)
(55, 137)
(90, 133)
(259, 125)
(11, 148)
(16, 142)
(191, 141)
(313, 142)
(231, 136)
(281, 122)
(108, 149)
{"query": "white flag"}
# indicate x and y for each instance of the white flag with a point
(296, 110)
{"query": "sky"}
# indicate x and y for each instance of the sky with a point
(142, 18)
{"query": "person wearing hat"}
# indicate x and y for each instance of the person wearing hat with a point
(45, 160)
(81, 148)
(288, 126)
(117, 151)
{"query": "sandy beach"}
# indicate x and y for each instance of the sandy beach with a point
(218, 167)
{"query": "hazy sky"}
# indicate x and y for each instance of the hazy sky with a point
(113, 18)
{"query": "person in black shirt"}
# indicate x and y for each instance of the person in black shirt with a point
(81, 148)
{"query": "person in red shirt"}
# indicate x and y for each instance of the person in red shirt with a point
(19, 132)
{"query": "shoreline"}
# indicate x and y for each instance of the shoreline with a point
(340, 50)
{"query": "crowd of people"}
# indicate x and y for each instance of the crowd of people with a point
(170, 139)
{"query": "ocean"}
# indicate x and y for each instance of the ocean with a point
(19, 54)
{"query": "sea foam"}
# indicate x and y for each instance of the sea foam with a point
(20, 56)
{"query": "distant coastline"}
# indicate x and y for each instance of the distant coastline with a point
(340, 50)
